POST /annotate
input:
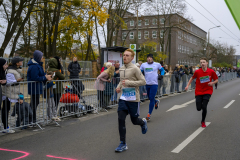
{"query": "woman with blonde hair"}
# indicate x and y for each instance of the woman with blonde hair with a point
(102, 79)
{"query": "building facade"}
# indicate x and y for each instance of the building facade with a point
(174, 35)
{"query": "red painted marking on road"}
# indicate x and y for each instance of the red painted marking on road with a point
(60, 157)
(26, 154)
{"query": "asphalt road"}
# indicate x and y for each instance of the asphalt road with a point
(95, 137)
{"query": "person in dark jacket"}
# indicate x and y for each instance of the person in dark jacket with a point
(60, 67)
(185, 77)
(74, 69)
(177, 78)
(24, 112)
(36, 73)
(5, 110)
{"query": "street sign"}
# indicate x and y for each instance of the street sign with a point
(134, 48)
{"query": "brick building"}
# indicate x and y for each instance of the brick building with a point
(184, 37)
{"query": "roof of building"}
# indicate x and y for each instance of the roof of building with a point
(118, 49)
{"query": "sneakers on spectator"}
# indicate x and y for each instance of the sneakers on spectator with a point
(144, 127)
(122, 147)
(157, 104)
(148, 117)
(203, 125)
(8, 131)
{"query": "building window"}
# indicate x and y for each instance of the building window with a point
(131, 35)
(146, 22)
(114, 33)
(124, 35)
(139, 35)
(139, 22)
(154, 21)
(187, 38)
(131, 23)
(187, 50)
(180, 47)
(161, 48)
(155, 48)
(154, 34)
(146, 34)
(190, 39)
(179, 34)
(113, 43)
(162, 20)
(161, 33)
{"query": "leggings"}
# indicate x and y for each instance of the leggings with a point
(216, 84)
(151, 92)
(5, 112)
(201, 103)
(121, 123)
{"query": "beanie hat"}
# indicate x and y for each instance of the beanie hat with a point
(150, 55)
(37, 55)
(17, 59)
(21, 96)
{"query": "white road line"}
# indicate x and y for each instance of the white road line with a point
(229, 104)
(189, 139)
(181, 106)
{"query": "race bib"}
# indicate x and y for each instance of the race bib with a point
(128, 94)
(204, 79)
(148, 70)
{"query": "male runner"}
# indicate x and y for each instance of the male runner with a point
(150, 70)
(130, 80)
(204, 87)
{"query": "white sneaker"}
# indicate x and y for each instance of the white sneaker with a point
(8, 131)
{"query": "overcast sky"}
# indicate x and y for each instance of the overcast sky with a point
(218, 9)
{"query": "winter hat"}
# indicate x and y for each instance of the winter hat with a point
(21, 96)
(150, 55)
(37, 55)
(17, 59)
(186, 66)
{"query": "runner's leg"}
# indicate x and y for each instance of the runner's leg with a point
(121, 124)
(199, 100)
(151, 96)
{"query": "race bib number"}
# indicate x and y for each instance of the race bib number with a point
(148, 70)
(204, 79)
(128, 94)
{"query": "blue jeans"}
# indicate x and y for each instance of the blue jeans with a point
(164, 90)
(151, 92)
(177, 86)
(114, 96)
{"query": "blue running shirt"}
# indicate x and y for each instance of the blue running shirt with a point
(151, 72)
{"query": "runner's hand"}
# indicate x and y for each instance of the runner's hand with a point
(210, 84)
(3, 81)
(49, 77)
(118, 90)
(186, 88)
(124, 83)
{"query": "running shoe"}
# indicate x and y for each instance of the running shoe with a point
(157, 104)
(148, 117)
(203, 125)
(8, 131)
(122, 147)
(144, 127)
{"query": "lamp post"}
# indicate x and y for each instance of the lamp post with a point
(209, 37)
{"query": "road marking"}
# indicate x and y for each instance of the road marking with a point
(181, 106)
(229, 104)
(189, 139)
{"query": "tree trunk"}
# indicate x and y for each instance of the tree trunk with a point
(56, 28)
(99, 47)
(45, 29)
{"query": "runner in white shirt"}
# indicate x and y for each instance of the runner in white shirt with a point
(150, 70)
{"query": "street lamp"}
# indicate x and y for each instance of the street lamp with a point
(209, 32)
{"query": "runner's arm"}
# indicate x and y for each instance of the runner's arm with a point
(162, 71)
(190, 81)
(139, 82)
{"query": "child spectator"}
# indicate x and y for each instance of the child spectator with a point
(24, 112)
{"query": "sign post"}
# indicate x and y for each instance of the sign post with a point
(134, 48)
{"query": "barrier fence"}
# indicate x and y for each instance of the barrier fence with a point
(48, 102)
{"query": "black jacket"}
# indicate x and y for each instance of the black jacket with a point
(74, 69)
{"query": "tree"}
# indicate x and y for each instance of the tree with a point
(15, 19)
(149, 48)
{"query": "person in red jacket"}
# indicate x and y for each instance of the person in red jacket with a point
(204, 87)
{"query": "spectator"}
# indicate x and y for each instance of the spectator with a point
(23, 111)
(176, 73)
(5, 109)
(116, 80)
(36, 73)
(13, 75)
(74, 69)
(58, 89)
(140, 63)
(105, 76)
(104, 67)
(60, 67)
(191, 70)
(166, 78)
(185, 77)
(218, 74)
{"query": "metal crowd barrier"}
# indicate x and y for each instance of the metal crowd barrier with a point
(48, 102)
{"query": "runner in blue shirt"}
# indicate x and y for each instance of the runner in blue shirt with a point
(150, 70)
